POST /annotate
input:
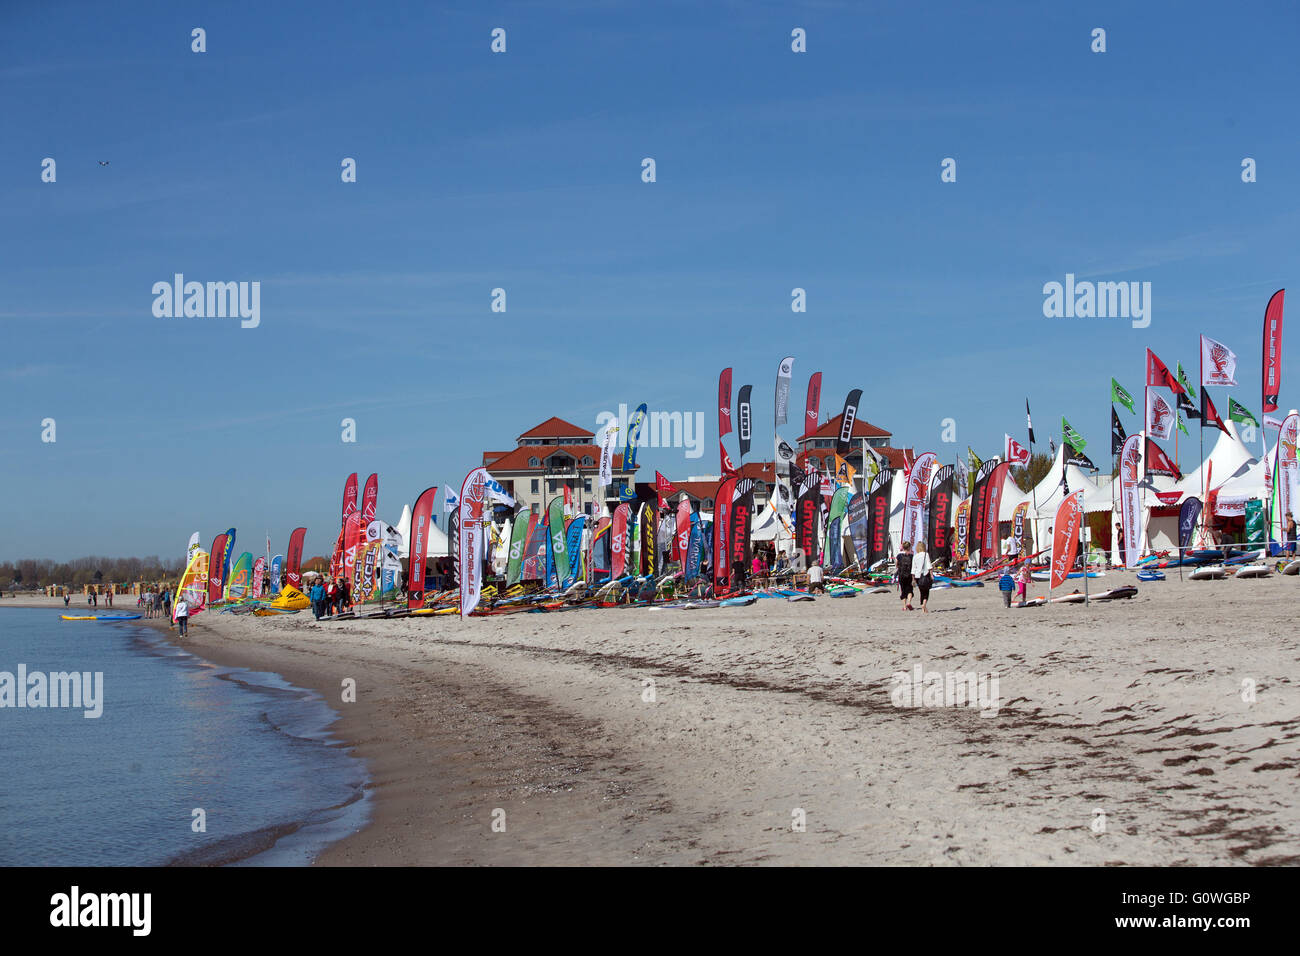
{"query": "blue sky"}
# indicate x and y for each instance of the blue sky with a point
(522, 170)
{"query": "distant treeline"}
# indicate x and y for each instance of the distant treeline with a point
(39, 572)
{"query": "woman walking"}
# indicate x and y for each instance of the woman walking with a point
(905, 575)
(923, 575)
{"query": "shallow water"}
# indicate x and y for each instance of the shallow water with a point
(177, 734)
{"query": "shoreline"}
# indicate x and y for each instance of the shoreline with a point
(1131, 711)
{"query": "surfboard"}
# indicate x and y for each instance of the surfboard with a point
(1151, 575)
(78, 617)
(1253, 571)
(1127, 591)
(1211, 572)
(1293, 567)
(1076, 598)
(118, 617)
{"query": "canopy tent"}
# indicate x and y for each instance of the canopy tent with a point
(1049, 492)
(768, 526)
(439, 546)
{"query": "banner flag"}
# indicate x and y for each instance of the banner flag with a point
(370, 500)
(1130, 508)
(215, 557)
(807, 513)
(938, 543)
(633, 436)
(1272, 352)
(1120, 394)
(992, 508)
(682, 534)
(602, 552)
(694, 549)
(878, 505)
(1288, 468)
(1016, 453)
(724, 403)
(1209, 414)
(259, 577)
(618, 541)
(1187, 402)
(350, 489)
(1075, 457)
(1068, 434)
(1065, 532)
(1117, 435)
(917, 497)
(1158, 463)
(858, 528)
(1218, 363)
(742, 519)
(277, 572)
(608, 434)
(559, 549)
(1240, 413)
(722, 504)
(812, 409)
(1029, 422)
(648, 527)
(293, 560)
(1160, 416)
(191, 548)
(961, 527)
(727, 467)
(844, 443)
(1018, 526)
(783, 373)
(1158, 374)
(574, 547)
(470, 536)
(417, 550)
(744, 420)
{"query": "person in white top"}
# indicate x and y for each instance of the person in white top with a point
(815, 579)
(182, 616)
(923, 574)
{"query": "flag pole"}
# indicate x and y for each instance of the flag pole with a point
(1033, 488)
(1200, 376)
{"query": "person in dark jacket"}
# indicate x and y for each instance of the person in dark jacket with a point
(904, 563)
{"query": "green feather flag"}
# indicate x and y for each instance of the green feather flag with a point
(1240, 413)
(1186, 383)
(1119, 394)
(1182, 427)
(1071, 437)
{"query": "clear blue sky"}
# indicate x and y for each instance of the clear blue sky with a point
(775, 170)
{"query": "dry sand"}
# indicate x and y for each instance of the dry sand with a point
(1132, 708)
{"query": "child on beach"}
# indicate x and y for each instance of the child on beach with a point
(1005, 584)
(1022, 582)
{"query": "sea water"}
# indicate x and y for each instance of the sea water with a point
(188, 763)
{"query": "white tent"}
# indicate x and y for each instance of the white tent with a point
(768, 526)
(439, 547)
(1049, 493)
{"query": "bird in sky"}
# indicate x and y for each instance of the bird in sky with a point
(104, 162)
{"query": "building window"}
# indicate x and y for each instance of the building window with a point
(586, 460)
(535, 483)
(586, 485)
(533, 462)
(708, 503)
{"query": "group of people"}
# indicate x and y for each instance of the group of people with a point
(329, 599)
(914, 569)
(155, 603)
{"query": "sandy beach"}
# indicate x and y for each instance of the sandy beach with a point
(1130, 710)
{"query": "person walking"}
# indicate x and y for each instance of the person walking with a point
(904, 568)
(923, 575)
(167, 602)
(182, 616)
(1290, 534)
(110, 595)
(317, 596)
(331, 598)
(1006, 583)
(67, 598)
(1022, 582)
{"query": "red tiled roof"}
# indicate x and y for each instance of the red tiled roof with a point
(861, 429)
(556, 428)
(517, 460)
(895, 456)
(491, 456)
(699, 490)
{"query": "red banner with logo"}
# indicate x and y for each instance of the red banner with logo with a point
(812, 409)
(682, 535)
(353, 532)
(293, 559)
(721, 531)
(724, 403)
(1065, 537)
(214, 568)
(992, 505)
(663, 488)
(370, 500)
(618, 543)
(350, 488)
(418, 546)
(1273, 350)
